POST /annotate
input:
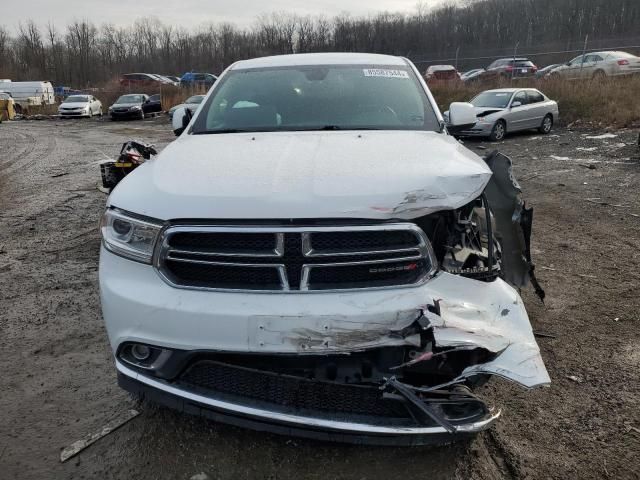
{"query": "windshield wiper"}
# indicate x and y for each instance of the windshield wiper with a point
(227, 130)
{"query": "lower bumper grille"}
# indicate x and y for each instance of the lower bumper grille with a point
(295, 258)
(293, 392)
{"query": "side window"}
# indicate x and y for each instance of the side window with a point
(597, 58)
(535, 97)
(520, 97)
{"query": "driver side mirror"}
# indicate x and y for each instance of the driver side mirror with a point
(516, 104)
(181, 118)
(462, 116)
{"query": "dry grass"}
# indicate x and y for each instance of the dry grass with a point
(609, 102)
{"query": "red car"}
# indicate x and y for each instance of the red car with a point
(441, 74)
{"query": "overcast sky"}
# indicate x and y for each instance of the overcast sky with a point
(188, 12)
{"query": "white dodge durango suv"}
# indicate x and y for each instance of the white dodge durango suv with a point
(316, 255)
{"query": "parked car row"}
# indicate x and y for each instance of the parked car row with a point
(597, 65)
(152, 80)
(591, 65)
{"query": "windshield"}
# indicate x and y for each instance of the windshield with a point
(195, 99)
(77, 99)
(130, 99)
(331, 97)
(492, 99)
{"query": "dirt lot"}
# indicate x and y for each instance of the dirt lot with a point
(58, 382)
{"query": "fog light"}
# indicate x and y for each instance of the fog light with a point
(140, 352)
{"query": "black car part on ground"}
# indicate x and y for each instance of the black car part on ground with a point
(132, 154)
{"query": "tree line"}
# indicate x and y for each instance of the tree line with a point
(83, 53)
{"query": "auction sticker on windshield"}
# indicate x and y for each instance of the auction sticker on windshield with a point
(380, 72)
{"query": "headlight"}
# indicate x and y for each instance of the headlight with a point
(110, 108)
(129, 236)
(135, 107)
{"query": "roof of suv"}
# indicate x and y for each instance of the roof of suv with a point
(320, 59)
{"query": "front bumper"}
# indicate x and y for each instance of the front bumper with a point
(139, 307)
(124, 115)
(73, 114)
(291, 424)
(479, 130)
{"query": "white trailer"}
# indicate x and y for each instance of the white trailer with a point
(28, 94)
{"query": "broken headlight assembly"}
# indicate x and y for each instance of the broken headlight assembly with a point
(128, 235)
(464, 240)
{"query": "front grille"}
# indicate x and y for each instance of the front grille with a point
(294, 258)
(290, 391)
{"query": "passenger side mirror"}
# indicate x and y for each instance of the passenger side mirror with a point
(181, 118)
(462, 116)
(516, 104)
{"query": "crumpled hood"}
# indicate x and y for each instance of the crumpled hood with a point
(368, 174)
(484, 111)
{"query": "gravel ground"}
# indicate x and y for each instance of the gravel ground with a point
(59, 384)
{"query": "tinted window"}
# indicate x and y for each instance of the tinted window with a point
(77, 99)
(492, 99)
(316, 98)
(535, 97)
(130, 99)
(520, 97)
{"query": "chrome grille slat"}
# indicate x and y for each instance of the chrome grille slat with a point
(299, 260)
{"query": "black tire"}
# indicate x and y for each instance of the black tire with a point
(499, 131)
(546, 125)
(599, 75)
(141, 114)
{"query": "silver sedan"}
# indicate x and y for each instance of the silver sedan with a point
(507, 110)
(598, 65)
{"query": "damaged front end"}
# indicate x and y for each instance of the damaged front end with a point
(396, 366)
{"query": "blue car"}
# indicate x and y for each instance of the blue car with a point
(191, 79)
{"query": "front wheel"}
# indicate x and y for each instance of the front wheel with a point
(498, 131)
(546, 125)
(141, 114)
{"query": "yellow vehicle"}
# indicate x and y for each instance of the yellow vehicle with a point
(7, 107)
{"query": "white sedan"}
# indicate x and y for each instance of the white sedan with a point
(80, 106)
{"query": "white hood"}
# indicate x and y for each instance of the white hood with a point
(368, 174)
(74, 105)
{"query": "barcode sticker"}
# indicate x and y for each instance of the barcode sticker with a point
(380, 72)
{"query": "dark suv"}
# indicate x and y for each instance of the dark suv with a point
(510, 68)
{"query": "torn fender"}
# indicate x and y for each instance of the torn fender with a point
(490, 315)
(513, 223)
